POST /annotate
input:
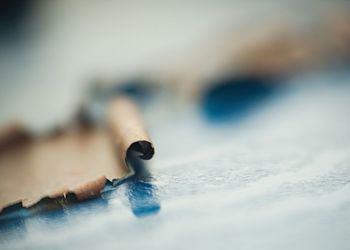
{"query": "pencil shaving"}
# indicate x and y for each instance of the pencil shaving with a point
(78, 161)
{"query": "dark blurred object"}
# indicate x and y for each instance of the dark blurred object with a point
(139, 90)
(13, 135)
(92, 110)
(234, 97)
(13, 14)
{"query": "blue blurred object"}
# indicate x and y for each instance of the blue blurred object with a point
(93, 110)
(139, 90)
(13, 14)
(142, 198)
(234, 97)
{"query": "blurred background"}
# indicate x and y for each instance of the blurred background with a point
(248, 104)
(53, 53)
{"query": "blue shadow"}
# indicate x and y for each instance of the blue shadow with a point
(141, 192)
(235, 97)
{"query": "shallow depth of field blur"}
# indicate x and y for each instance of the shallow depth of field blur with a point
(248, 104)
(53, 52)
